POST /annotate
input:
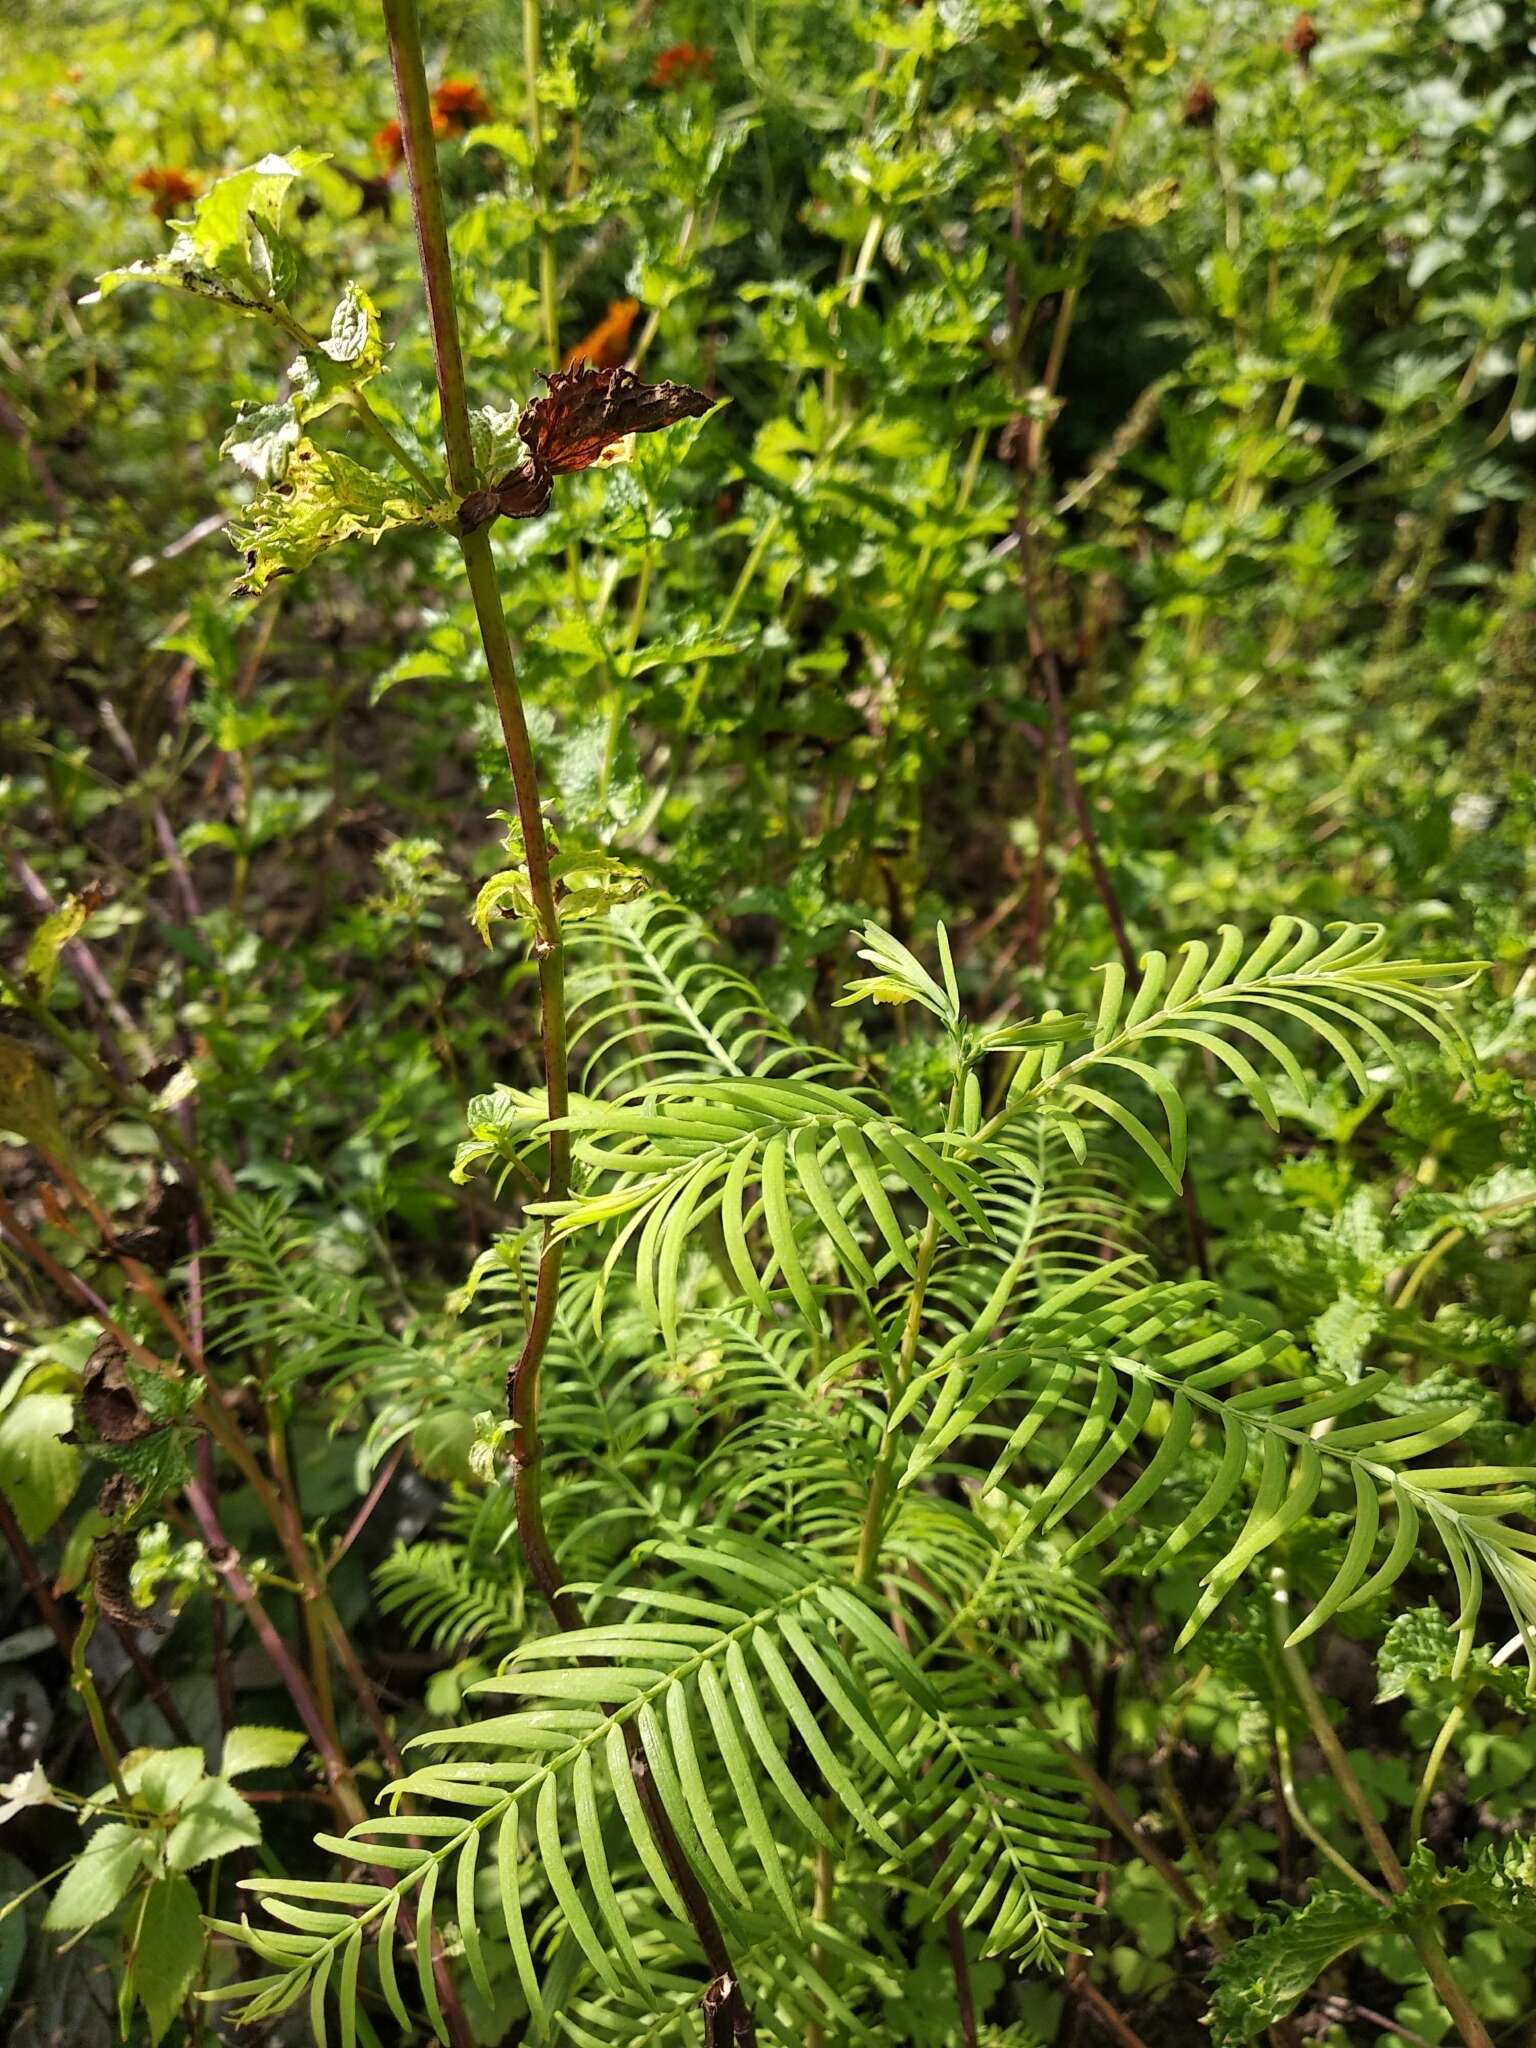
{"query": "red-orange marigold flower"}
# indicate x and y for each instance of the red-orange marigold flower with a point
(168, 189)
(1302, 40)
(684, 61)
(459, 105)
(606, 347)
(389, 145)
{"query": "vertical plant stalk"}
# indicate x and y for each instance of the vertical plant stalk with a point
(727, 2017)
(437, 275)
(1421, 1933)
(85, 1686)
(1043, 658)
(532, 37)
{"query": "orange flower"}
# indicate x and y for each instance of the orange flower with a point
(168, 189)
(606, 347)
(682, 63)
(1302, 40)
(1199, 105)
(459, 105)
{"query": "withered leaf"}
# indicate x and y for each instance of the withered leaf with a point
(583, 413)
(107, 1399)
(161, 1239)
(112, 1565)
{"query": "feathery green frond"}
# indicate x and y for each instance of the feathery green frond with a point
(1108, 1378)
(1002, 1820)
(650, 1000)
(701, 1693)
(1331, 989)
(783, 1158)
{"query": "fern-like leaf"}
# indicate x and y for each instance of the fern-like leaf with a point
(1330, 988)
(706, 1692)
(1127, 1370)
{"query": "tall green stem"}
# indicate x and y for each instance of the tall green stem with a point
(532, 37)
(875, 1508)
(727, 2016)
(1422, 1934)
(437, 274)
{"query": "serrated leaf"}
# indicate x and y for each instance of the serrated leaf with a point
(97, 1881)
(496, 442)
(351, 354)
(170, 1948)
(1262, 1979)
(250, 1748)
(232, 249)
(262, 439)
(163, 1778)
(215, 1821)
(325, 498)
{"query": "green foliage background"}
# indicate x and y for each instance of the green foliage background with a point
(1233, 401)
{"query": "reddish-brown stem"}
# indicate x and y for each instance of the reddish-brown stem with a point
(1098, 2007)
(153, 1684)
(726, 2014)
(72, 1286)
(339, 1775)
(479, 563)
(32, 1578)
(964, 1997)
(225, 1560)
(364, 1515)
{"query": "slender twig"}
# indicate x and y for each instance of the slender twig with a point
(153, 1684)
(1088, 1995)
(724, 2006)
(1140, 1843)
(1308, 1827)
(964, 1997)
(32, 1578)
(225, 1560)
(1422, 1931)
(12, 423)
(1342, 2010)
(96, 1712)
(360, 1520)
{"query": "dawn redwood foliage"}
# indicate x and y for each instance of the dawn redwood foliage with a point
(950, 1459)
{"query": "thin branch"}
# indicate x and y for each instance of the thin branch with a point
(360, 1520)
(1425, 1941)
(12, 423)
(1098, 2007)
(725, 2010)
